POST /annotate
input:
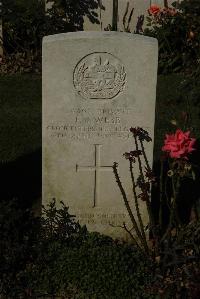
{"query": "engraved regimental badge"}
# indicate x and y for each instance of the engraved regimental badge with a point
(99, 76)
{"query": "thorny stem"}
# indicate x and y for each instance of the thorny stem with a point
(129, 232)
(132, 236)
(175, 187)
(168, 45)
(115, 15)
(170, 223)
(129, 208)
(144, 155)
(125, 15)
(174, 212)
(188, 121)
(137, 205)
(161, 196)
(166, 194)
(152, 222)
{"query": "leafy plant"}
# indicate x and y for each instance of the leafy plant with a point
(23, 25)
(18, 235)
(55, 256)
(168, 246)
(177, 31)
(70, 14)
(26, 23)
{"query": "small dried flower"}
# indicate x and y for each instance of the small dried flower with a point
(135, 131)
(187, 166)
(173, 122)
(149, 175)
(143, 196)
(139, 181)
(170, 173)
(141, 134)
(144, 186)
(136, 153)
(132, 155)
(191, 35)
(129, 157)
(115, 165)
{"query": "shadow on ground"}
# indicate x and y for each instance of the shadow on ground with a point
(22, 179)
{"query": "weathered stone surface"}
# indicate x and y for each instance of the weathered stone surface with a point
(105, 14)
(96, 85)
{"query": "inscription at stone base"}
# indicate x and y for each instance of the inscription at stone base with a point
(108, 219)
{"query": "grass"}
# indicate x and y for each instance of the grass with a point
(20, 113)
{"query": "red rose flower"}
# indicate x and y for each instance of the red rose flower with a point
(179, 145)
(154, 9)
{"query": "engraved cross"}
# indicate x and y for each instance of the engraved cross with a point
(97, 168)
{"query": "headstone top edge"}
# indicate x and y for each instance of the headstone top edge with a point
(97, 34)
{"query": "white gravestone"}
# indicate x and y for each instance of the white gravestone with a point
(96, 85)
